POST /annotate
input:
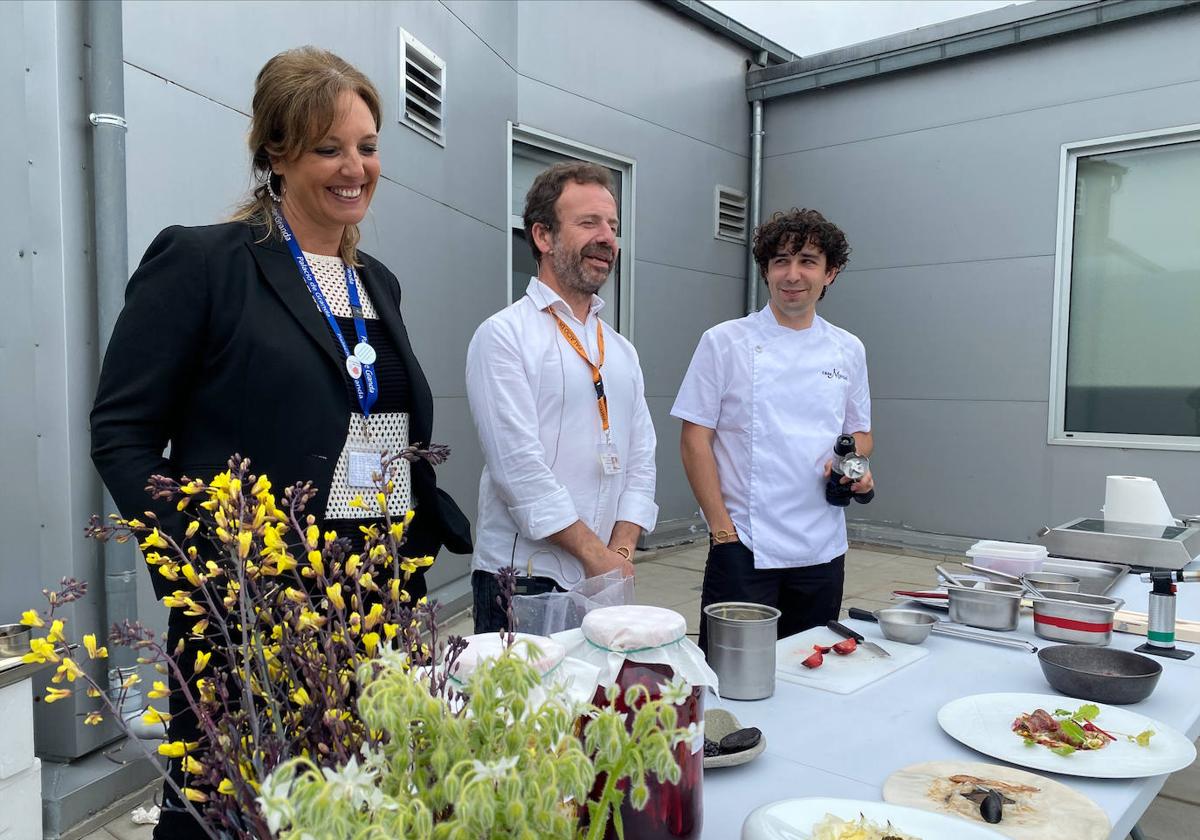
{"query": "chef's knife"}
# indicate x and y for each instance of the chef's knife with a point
(846, 633)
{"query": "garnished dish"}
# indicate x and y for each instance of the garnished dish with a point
(1095, 740)
(1066, 732)
(836, 828)
(1018, 804)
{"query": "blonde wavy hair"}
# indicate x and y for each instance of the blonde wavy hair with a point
(295, 103)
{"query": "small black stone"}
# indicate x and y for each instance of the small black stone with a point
(741, 740)
(711, 748)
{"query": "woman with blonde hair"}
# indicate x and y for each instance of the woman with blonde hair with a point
(274, 337)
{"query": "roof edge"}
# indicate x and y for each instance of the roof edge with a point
(996, 29)
(727, 27)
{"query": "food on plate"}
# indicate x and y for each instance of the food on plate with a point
(817, 657)
(836, 828)
(974, 797)
(1066, 732)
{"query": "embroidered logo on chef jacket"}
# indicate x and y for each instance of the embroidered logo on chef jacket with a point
(835, 374)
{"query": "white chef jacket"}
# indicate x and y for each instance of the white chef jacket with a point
(777, 399)
(538, 419)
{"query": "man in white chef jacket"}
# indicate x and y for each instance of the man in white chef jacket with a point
(762, 404)
(559, 402)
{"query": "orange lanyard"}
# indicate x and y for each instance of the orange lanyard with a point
(573, 340)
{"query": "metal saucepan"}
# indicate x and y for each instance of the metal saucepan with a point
(14, 640)
(988, 606)
(1075, 618)
(1100, 674)
(1035, 582)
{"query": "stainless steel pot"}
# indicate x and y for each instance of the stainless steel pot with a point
(1052, 581)
(741, 648)
(1074, 617)
(988, 605)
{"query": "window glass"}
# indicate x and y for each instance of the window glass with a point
(1133, 350)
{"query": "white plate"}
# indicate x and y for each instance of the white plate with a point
(793, 819)
(984, 722)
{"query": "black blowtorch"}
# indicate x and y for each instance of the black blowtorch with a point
(848, 463)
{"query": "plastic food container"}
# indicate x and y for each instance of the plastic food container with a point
(1013, 558)
(990, 606)
(1075, 618)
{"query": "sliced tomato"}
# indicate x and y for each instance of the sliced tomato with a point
(822, 649)
(814, 661)
(845, 647)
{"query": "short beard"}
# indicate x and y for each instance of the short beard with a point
(568, 268)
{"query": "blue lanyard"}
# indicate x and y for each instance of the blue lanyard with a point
(358, 370)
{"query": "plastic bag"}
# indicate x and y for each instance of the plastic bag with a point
(553, 612)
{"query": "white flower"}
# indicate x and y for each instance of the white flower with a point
(495, 771)
(274, 801)
(676, 692)
(693, 735)
(354, 783)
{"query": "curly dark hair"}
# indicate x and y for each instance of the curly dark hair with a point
(548, 186)
(794, 229)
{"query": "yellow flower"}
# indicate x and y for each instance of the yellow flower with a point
(170, 571)
(152, 716)
(158, 691)
(68, 669)
(314, 560)
(389, 631)
(262, 485)
(154, 540)
(192, 528)
(396, 531)
(208, 693)
(175, 600)
(226, 787)
(244, 539)
(93, 719)
(93, 652)
(190, 574)
(311, 534)
(352, 564)
(193, 794)
(202, 658)
(192, 766)
(40, 650)
(300, 697)
(56, 632)
(357, 502)
(177, 749)
(334, 592)
(199, 627)
(309, 620)
(130, 681)
(381, 500)
(53, 695)
(374, 616)
(30, 618)
(294, 595)
(370, 643)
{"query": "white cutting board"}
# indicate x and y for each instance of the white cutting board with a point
(840, 674)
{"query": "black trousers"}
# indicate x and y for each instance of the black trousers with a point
(809, 596)
(490, 617)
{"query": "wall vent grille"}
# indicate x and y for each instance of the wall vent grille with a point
(422, 88)
(730, 211)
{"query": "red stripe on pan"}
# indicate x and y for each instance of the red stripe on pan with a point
(1071, 624)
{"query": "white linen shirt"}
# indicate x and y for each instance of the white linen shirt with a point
(777, 399)
(535, 408)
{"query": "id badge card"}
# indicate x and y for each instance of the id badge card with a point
(610, 461)
(361, 468)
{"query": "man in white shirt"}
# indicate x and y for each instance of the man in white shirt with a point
(559, 403)
(763, 402)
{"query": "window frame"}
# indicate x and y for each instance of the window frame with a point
(1060, 338)
(527, 135)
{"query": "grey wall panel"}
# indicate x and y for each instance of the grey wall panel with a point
(979, 190)
(1097, 64)
(969, 468)
(674, 308)
(642, 59)
(469, 173)
(451, 272)
(492, 21)
(673, 494)
(676, 176)
(176, 174)
(975, 331)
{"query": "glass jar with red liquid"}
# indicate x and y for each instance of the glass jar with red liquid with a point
(648, 647)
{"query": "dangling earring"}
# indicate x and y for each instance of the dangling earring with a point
(278, 199)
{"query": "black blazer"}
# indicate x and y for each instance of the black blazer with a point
(220, 349)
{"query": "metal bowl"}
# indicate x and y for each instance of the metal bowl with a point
(908, 626)
(988, 605)
(1053, 582)
(14, 640)
(1103, 675)
(1075, 618)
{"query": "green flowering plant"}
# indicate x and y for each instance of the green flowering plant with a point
(488, 762)
(282, 620)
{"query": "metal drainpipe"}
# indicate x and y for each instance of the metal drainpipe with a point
(755, 208)
(106, 100)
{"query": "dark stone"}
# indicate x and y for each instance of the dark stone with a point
(741, 740)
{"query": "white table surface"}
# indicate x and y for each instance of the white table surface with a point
(822, 744)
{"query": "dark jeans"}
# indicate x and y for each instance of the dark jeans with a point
(490, 616)
(809, 596)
